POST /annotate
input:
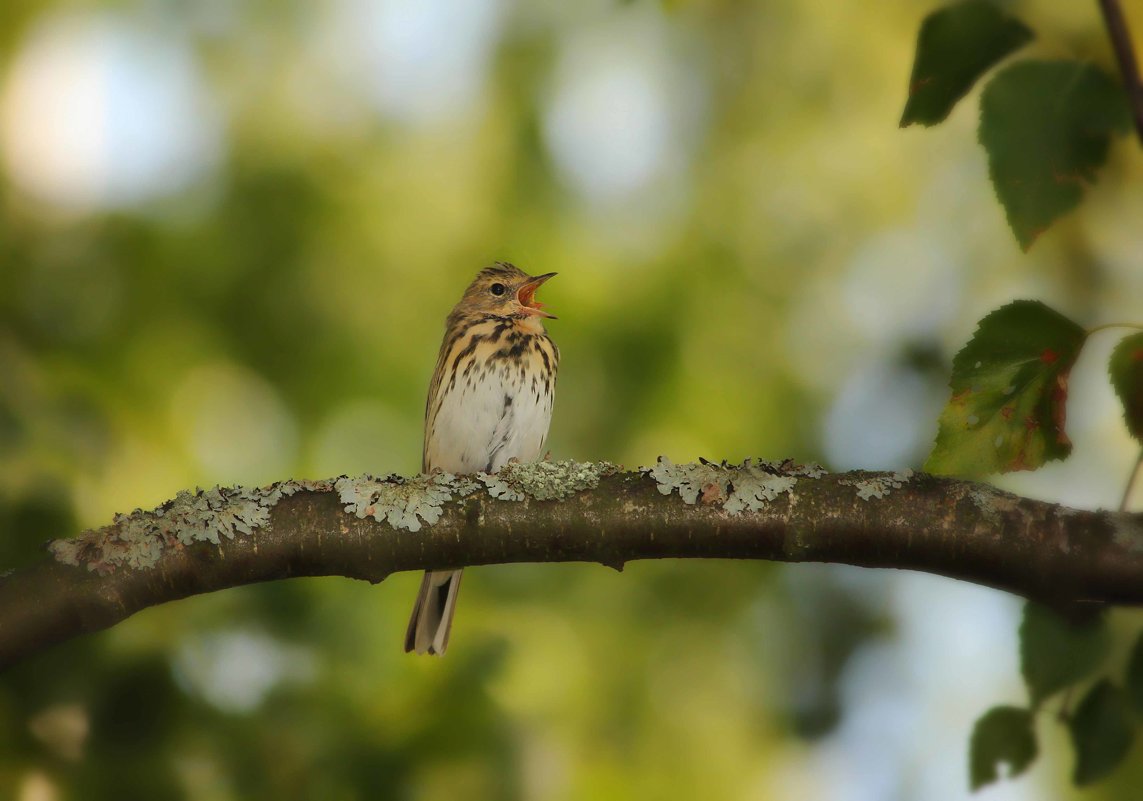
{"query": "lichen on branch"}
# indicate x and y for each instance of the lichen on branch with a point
(565, 511)
(546, 480)
(878, 486)
(138, 540)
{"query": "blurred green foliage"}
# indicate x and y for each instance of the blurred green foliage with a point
(280, 314)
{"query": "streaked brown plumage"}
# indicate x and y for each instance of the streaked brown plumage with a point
(490, 400)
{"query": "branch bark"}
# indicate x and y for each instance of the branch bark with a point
(782, 512)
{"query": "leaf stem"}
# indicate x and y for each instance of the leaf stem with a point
(1106, 326)
(1120, 36)
(1131, 483)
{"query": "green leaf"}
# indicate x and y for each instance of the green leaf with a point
(956, 45)
(1102, 731)
(1046, 126)
(1002, 734)
(1055, 652)
(1135, 675)
(1009, 392)
(1127, 377)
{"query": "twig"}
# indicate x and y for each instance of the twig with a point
(1131, 483)
(1125, 55)
(1108, 326)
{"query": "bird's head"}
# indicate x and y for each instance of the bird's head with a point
(504, 290)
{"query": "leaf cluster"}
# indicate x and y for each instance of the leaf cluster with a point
(1046, 126)
(1007, 411)
(1059, 656)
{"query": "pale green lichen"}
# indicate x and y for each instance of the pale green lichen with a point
(739, 488)
(464, 485)
(1128, 531)
(137, 540)
(690, 479)
(407, 503)
(545, 481)
(809, 470)
(878, 486)
(992, 502)
(402, 502)
(284, 489)
(210, 515)
(753, 490)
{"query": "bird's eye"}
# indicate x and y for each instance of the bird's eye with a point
(498, 289)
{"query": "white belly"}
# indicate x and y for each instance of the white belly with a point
(485, 421)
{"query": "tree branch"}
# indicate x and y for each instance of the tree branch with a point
(367, 528)
(1120, 35)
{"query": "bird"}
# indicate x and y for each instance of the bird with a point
(489, 402)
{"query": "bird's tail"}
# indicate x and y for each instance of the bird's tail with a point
(431, 621)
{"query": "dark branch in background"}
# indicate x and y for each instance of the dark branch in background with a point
(1125, 54)
(1131, 483)
(757, 511)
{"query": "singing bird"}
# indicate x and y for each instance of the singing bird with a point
(490, 400)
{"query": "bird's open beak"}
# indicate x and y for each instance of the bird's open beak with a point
(526, 296)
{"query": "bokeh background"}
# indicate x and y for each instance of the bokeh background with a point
(229, 235)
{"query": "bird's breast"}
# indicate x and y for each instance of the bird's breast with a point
(491, 402)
